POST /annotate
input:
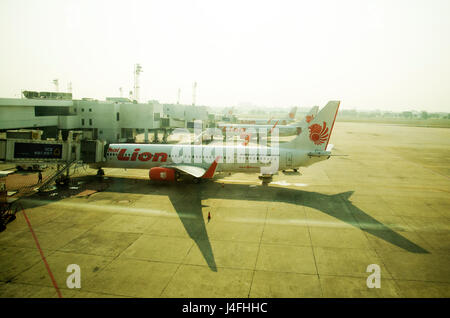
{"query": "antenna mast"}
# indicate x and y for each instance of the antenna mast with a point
(56, 83)
(137, 71)
(194, 93)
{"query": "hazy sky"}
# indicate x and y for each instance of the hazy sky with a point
(369, 54)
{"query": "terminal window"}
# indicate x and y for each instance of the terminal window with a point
(82, 121)
(90, 122)
(37, 151)
(52, 111)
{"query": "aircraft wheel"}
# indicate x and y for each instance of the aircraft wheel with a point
(196, 180)
(295, 170)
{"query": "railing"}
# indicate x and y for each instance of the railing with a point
(52, 178)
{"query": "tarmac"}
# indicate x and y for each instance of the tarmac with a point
(307, 234)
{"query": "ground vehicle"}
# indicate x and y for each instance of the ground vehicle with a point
(7, 210)
(30, 167)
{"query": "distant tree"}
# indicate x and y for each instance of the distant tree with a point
(407, 114)
(424, 115)
(435, 115)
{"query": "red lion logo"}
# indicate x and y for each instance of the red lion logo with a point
(309, 118)
(318, 134)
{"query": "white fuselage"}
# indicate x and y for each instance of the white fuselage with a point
(259, 121)
(232, 158)
(283, 130)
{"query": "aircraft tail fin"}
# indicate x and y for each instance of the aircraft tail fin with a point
(311, 114)
(292, 113)
(316, 135)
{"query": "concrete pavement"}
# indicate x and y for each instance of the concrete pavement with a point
(306, 235)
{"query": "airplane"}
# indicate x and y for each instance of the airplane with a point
(165, 163)
(244, 130)
(259, 121)
(227, 114)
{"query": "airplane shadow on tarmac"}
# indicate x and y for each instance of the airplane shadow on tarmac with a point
(186, 199)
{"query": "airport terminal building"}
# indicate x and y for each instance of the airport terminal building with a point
(113, 120)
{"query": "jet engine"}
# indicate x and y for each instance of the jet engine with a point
(162, 174)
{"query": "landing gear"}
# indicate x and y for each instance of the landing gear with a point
(295, 170)
(265, 178)
(196, 180)
(155, 137)
(100, 172)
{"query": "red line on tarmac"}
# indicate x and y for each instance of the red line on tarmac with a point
(42, 254)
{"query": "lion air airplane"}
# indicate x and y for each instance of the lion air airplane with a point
(258, 121)
(170, 162)
(283, 130)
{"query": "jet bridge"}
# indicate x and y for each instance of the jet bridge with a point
(18, 148)
(24, 148)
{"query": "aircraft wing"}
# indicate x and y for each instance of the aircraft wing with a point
(194, 171)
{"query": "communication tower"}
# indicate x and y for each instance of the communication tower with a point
(194, 93)
(56, 83)
(137, 71)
